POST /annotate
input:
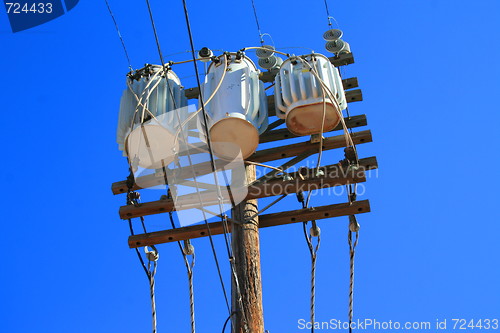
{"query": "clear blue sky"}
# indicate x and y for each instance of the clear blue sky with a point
(429, 249)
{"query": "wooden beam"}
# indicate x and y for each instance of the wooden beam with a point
(350, 83)
(192, 93)
(275, 124)
(267, 220)
(342, 59)
(334, 175)
(261, 156)
(350, 96)
(332, 142)
(284, 133)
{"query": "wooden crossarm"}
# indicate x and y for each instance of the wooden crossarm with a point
(334, 175)
(261, 156)
(267, 220)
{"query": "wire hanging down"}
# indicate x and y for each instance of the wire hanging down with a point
(153, 257)
(119, 35)
(353, 228)
(313, 250)
(189, 250)
(313, 233)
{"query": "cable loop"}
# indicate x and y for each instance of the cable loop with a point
(153, 255)
(188, 249)
(353, 223)
(315, 231)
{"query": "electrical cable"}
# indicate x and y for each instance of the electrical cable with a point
(227, 320)
(257, 22)
(212, 160)
(119, 35)
(156, 36)
(263, 48)
(353, 228)
(328, 13)
(189, 268)
(315, 231)
(132, 198)
(160, 53)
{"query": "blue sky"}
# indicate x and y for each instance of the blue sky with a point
(428, 250)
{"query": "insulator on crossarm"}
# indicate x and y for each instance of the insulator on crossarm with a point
(265, 52)
(205, 54)
(271, 62)
(346, 49)
(338, 46)
(332, 34)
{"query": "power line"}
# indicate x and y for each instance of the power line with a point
(119, 35)
(156, 37)
(186, 14)
(212, 160)
(328, 13)
(257, 21)
(197, 76)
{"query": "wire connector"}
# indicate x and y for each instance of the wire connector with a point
(353, 223)
(153, 255)
(188, 249)
(315, 231)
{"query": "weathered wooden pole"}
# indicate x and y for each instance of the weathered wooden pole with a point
(246, 252)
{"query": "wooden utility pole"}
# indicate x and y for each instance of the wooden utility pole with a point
(245, 224)
(246, 252)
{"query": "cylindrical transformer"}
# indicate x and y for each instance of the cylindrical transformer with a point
(308, 91)
(237, 112)
(152, 109)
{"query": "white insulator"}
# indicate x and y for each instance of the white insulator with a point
(346, 48)
(205, 54)
(147, 122)
(301, 99)
(237, 113)
(271, 62)
(338, 46)
(332, 34)
(265, 52)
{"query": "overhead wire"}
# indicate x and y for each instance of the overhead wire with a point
(257, 22)
(212, 160)
(156, 35)
(166, 77)
(119, 35)
(164, 169)
(327, 12)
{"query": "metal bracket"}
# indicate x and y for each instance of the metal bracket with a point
(316, 138)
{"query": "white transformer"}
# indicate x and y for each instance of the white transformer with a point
(151, 110)
(237, 112)
(307, 88)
